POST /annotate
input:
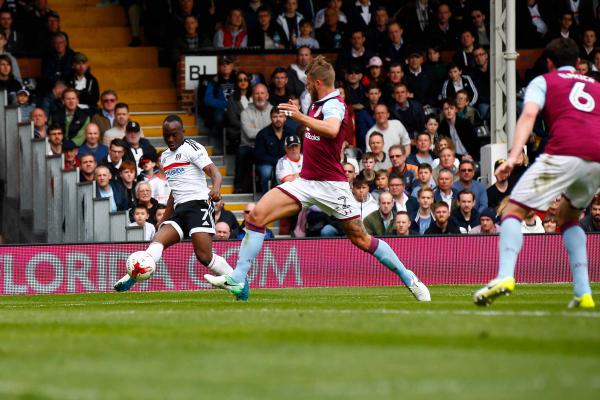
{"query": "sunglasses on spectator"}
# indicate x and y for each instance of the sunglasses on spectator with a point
(109, 100)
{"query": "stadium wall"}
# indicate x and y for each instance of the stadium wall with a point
(286, 264)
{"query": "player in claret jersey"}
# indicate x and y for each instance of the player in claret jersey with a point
(569, 167)
(190, 208)
(322, 182)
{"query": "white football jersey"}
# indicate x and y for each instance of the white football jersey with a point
(286, 167)
(184, 171)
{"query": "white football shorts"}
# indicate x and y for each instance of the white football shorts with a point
(551, 176)
(332, 197)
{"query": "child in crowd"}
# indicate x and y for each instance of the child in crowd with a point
(381, 183)
(305, 39)
(24, 104)
(368, 172)
(160, 213)
(424, 179)
(464, 110)
(360, 190)
(140, 218)
(431, 126)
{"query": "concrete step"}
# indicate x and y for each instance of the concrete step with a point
(234, 200)
(121, 57)
(96, 37)
(148, 96)
(75, 17)
(156, 131)
(156, 107)
(133, 78)
(156, 119)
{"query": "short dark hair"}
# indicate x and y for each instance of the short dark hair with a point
(279, 70)
(360, 181)
(562, 51)
(450, 101)
(465, 191)
(140, 207)
(121, 105)
(55, 127)
(397, 176)
(87, 155)
(425, 166)
(117, 142)
(440, 204)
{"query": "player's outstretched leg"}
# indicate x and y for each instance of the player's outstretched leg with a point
(383, 252)
(511, 240)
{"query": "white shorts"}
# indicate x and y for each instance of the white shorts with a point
(551, 176)
(332, 197)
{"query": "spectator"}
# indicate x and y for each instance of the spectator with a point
(84, 82)
(424, 179)
(237, 103)
(160, 214)
(127, 177)
(290, 21)
(550, 223)
(499, 190)
(297, 72)
(392, 131)
(584, 67)
(152, 175)
(420, 81)
(143, 197)
(360, 190)
(206, 21)
(591, 222)
(408, 112)
(368, 160)
(108, 187)
(270, 147)
(566, 27)
(588, 44)
(457, 81)
(222, 231)
(55, 139)
(92, 143)
(402, 202)
(422, 218)
(289, 166)
(377, 33)
(306, 35)
(140, 218)
(53, 100)
(360, 14)
(533, 19)
(395, 76)
(443, 225)
(482, 78)
(479, 20)
(464, 58)
(7, 80)
(459, 130)
(432, 125)
(408, 172)
(43, 42)
(532, 223)
(365, 118)
(69, 151)
(355, 91)
(106, 117)
(374, 76)
(25, 106)
(136, 146)
(464, 110)
(113, 160)
(402, 225)
(444, 32)
(242, 230)
(226, 216)
(71, 118)
(278, 91)
(15, 40)
(381, 183)
(58, 64)
(435, 66)
(40, 123)
(13, 61)
(357, 54)
(121, 117)
(447, 160)
(395, 50)
(518, 170)
(217, 93)
(417, 15)
(466, 172)
(423, 153)
(189, 41)
(254, 118)
(234, 34)
(381, 222)
(331, 34)
(487, 224)
(465, 216)
(350, 169)
(444, 191)
(334, 7)
(267, 34)
(377, 146)
(87, 166)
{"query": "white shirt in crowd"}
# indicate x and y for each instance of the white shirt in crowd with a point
(395, 133)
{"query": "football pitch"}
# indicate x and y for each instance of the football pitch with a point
(343, 343)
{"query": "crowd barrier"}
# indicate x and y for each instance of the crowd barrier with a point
(83, 268)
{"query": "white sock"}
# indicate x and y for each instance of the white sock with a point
(219, 265)
(155, 250)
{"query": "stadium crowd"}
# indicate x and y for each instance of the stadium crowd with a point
(419, 122)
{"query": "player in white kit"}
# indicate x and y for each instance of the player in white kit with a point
(322, 182)
(190, 211)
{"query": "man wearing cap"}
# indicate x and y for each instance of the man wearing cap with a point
(487, 223)
(84, 82)
(136, 146)
(216, 96)
(499, 190)
(71, 118)
(69, 150)
(355, 91)
(289, 166)
(269, 147)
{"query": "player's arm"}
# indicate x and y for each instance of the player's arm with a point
(212, 171)
(327, 128)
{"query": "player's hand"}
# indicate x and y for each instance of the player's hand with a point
(289, 109)
(214, 195)
(506, 167)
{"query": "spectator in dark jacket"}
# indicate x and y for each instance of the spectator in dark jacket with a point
(267, 34)
(71, 118)
(591, 223)
(84, 82)
(106, 187)
(442, 225)
(58, 65)
(459, 130)
(136, 146)
(297, 72)
(465, 216)
(270, 147)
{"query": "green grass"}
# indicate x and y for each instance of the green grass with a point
(367, 343)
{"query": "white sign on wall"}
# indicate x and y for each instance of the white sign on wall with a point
(196, 67)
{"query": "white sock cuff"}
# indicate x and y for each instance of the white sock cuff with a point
(155, 250)
(219, 265)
